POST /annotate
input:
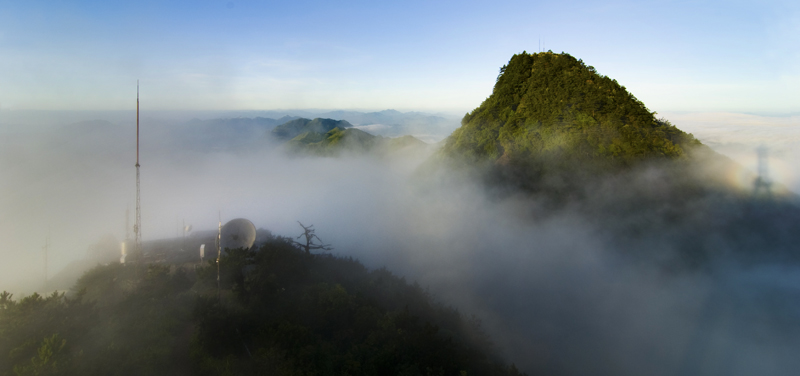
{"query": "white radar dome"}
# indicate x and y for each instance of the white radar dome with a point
(238, 233)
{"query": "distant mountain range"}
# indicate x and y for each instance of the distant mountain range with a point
(328, 137)
(390, 123)
(296, 127)
(241, 133)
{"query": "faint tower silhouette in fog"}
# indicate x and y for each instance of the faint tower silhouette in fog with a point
(137, 226)
(762, 184)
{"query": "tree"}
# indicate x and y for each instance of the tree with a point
(308, 234)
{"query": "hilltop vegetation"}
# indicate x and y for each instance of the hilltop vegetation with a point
(552, 117)
(281, 311)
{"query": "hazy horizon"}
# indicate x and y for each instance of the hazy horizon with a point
(734, 135)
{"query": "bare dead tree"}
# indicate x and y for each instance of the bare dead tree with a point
(308, 234)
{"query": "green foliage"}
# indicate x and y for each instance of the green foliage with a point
(116, 322)
(45, 363)
(553, 118)
(35, 330)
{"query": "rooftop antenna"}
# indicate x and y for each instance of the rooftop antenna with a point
(137, 226)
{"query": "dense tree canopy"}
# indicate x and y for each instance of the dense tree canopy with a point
(551, 114)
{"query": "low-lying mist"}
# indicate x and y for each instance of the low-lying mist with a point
(554, 288)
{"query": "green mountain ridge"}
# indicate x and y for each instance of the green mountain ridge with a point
(340, 140)
(294, 128)
(335, 140)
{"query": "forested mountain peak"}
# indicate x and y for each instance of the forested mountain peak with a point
(551, 112)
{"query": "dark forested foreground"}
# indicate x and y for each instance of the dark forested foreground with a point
(281, 312)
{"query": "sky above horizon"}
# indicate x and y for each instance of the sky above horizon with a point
(740, 56)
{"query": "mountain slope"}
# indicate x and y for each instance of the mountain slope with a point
(335, 141)
(579, 143)
(552, 114)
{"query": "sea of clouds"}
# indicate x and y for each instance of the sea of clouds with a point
(551, 290)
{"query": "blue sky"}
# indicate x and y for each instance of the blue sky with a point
(696, 56)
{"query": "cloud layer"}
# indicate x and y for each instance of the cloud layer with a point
(551, 287)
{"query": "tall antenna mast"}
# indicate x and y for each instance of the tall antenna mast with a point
(137, 226)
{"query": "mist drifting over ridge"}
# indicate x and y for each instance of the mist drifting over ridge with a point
(555, 293)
